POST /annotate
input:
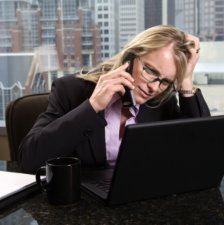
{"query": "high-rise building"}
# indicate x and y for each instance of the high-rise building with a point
(105, 17)
(25, 25)
(48, 22)
(153, 13)
(131, 20)
(119, 21)
(202, 18)
(71, 26)
(159, 12)
(18, 25)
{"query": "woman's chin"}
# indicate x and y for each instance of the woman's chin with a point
(141, 101)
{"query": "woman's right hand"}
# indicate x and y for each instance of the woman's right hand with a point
(109, 84)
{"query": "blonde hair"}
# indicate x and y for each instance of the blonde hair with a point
(144, 43)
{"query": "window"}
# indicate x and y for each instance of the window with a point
(35, 36)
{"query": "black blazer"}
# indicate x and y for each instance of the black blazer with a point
(70, 126)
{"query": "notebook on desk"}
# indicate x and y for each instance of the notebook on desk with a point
(16, 186)
(162, 158)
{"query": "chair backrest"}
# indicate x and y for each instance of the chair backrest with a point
(20, 117)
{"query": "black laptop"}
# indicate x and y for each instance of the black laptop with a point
(161, 158)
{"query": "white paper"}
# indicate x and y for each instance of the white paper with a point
(14, 182)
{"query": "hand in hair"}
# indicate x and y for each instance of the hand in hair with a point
(187, 81)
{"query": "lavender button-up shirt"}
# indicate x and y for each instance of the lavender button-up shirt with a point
(113, 117)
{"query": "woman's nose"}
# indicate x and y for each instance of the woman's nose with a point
(154, 85)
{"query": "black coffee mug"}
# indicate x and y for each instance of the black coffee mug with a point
(62, 183)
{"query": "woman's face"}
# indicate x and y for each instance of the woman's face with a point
(153, 73)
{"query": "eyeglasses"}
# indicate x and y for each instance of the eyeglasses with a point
(151, 76)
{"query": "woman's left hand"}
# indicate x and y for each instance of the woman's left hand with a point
(187, 82)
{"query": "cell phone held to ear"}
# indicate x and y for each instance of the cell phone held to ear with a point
(128, 99)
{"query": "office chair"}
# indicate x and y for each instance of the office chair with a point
(20, 117)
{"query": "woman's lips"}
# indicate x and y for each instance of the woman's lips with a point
(143, 93)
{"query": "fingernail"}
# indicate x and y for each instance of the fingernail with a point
(127, 63)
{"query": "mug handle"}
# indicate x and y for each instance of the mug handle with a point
(41, 183)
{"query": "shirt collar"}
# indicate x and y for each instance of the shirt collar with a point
(117, 98)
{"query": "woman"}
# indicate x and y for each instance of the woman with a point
(85, 117)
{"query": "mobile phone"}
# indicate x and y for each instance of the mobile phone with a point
(128, 98)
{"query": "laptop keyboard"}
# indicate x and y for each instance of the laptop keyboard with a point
(103, 185)
(100, 179)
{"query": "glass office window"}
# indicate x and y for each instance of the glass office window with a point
(55, 38)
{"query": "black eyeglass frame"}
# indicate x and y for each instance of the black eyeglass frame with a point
(150, 72)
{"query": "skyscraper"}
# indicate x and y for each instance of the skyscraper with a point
(18, 25)
(202, 18)
(25, 25)
(105, 17)
(131, 20)
(159, 12)
(153, 13)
